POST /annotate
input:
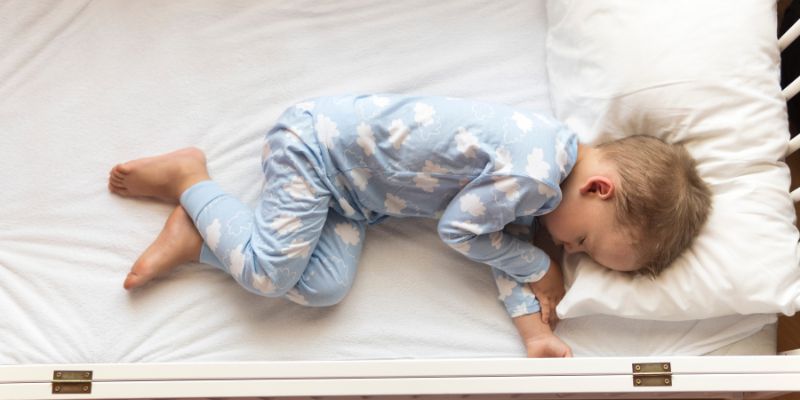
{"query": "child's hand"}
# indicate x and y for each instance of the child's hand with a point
(547, 346)
(539, 339)
(549, 291)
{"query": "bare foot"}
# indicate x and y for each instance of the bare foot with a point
(178, 243)
(163, 177)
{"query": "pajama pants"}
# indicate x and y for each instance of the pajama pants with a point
(294, 244)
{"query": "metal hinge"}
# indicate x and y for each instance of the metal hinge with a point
(72, 382)
(652, 374)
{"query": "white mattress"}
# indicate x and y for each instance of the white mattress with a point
(86, 85)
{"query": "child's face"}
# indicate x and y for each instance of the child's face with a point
(591, 228)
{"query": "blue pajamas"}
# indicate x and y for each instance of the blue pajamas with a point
(334, 164)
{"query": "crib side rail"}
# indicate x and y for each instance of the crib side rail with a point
(790, 91)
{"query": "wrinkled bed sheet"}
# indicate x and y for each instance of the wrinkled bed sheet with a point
(84, 85)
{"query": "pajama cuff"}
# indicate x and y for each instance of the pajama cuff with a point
(541, 269)
(521, 304)
(195, 199)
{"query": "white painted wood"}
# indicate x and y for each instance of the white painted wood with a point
(789, 36)
(791, 90)
(409, 377)
(795, 195)
(613, 384)
(794, 144)
(442, 368)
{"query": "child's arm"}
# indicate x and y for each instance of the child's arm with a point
(550, 289)
(539, 339)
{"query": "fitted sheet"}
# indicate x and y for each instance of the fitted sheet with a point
(86, 85)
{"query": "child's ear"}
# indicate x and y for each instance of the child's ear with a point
(600, 185)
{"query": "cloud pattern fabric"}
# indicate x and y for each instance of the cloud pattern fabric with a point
(334, 164)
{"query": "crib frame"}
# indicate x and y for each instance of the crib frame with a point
(728, 377)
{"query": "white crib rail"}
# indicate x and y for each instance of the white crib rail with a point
(790, 91)
(790, 35)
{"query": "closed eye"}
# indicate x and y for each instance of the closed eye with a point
(580, 242)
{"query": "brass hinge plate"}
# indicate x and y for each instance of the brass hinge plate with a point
(652, 374)
(72, 382)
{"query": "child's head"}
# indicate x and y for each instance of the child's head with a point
(632, 204)
(660, 195)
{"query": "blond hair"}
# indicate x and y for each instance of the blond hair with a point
(660, 198)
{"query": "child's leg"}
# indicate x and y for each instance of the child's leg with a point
(268, 250)
(178, 243)
(332, 266)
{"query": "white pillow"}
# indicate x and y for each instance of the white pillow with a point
(705, 74)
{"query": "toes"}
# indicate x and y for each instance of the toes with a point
(117, 181)
(119, 172)
(117, 189)
(132, 281)
(122, 169)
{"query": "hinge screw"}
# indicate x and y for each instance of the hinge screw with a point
(58, 374)
(638, 382)
(638, 367)
(57, 388)
(85, 388)
(666, 381)
(665, 366)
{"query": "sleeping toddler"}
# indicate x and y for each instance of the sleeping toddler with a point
(333, 165)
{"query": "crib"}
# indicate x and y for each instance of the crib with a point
(84, 85)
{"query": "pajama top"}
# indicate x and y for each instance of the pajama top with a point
(475, 166)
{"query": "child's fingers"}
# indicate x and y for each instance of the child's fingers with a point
(554, 321)
(545, 307)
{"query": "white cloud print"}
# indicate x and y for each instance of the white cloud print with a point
(297, 249)
(299, 188)
(236, 261)
(213, 233)
(546, 191)
(360, 177)
(505, 286)
(380, 101)
(295, 296)
(398, 133)
(424, 180)
(537, 168)
(502, 161)
(523, 123)
(423, 114)
(346, 207)
(561, 157)
(507, 185)
(366, 139)
(286, 224)
(496, 239)
(472, 204)
(348, 233)
(466, 143)
(394, 204)
(263, 284)
(327, 130)
(463, 247)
